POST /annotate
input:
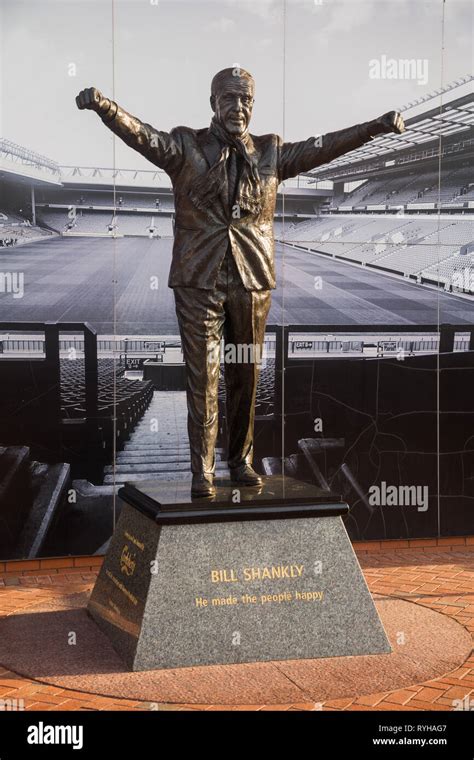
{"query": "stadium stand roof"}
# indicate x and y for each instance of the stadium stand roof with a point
(26, 165)
(108, 177)
(446, 126)
(140, 179)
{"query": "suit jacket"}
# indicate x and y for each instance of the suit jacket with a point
(202, 237)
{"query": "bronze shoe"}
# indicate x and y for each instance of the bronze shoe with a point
(245, 475)
(203, 484)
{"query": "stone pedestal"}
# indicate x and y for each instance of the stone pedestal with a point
(249, 576)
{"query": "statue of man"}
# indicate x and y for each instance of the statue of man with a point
(225, 183)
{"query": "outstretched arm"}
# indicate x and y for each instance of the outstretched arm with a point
(161, 148)
(303, 156)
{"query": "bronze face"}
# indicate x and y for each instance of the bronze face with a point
(233, 105)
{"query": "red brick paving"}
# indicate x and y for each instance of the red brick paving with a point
(436, 573)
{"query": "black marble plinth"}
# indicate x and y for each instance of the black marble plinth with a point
(279, 497)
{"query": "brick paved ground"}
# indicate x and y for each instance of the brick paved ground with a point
(437, 573)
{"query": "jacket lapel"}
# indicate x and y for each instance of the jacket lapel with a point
(210, 146)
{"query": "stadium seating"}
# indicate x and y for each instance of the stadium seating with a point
(16, 231)
(421, 187)
(375, 191)
(7, 218)
(127, 392)
(56, 220)
(92, 198)
(408, 245)
(440, 245)
(452, 272)
(98, 222)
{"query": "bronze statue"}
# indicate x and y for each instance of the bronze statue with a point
(225, 183)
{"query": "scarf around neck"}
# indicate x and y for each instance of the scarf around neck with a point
(207, 188)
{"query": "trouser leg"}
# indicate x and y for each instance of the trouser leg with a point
(244, 330)
(201, 317)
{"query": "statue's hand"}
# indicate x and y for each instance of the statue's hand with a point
(92, 99)
(391, 122)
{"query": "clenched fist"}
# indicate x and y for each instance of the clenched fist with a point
(390, 122)
(92, 99)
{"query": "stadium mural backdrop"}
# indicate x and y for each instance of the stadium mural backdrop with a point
(368, 369)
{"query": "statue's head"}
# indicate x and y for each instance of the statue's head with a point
(232, 100)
